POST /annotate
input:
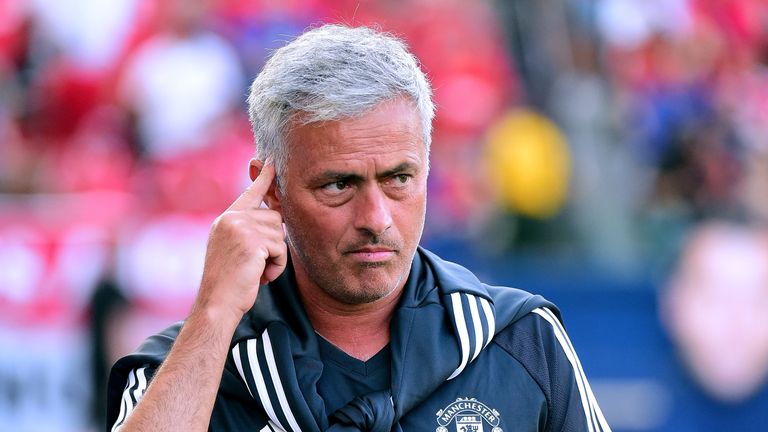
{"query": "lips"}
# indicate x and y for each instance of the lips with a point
(372, 254)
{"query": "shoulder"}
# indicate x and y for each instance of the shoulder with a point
(539, 342)
(509, 303)
(533, 341)
(130, 375)
(152, 351)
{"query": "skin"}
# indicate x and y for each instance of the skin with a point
(353, 208)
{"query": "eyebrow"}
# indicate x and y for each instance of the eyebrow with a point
(341, 175)
(405, 166)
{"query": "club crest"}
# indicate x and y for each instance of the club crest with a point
(468, 415)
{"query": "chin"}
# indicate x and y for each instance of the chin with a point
(365, 294)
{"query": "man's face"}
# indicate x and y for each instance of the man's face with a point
(355, 200)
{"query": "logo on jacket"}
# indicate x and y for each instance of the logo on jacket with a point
(469, 415)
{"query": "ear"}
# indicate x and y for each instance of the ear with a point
(254, 168)
(271, 198)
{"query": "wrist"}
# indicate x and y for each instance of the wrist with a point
(215, 317)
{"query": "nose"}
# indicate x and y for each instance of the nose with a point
(372, 211)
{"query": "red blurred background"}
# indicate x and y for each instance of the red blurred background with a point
(578, 145)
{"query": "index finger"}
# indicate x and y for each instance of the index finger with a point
(253, 195)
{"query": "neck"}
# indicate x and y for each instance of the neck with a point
(359, 330)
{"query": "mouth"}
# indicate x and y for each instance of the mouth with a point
(372, 254)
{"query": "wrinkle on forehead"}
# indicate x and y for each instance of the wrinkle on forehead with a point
(391, 127)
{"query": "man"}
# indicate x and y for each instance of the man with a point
(339, 321)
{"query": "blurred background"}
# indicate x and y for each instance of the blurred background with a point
(611, 155)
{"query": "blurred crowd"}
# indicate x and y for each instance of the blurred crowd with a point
(663, 106)
(603, 131)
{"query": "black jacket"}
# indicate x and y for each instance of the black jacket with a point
(466, 356)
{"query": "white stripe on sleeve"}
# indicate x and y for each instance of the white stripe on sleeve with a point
(270, 357)
(269, 427)
(123, 402)
(461, 327)
(139, 392)
(585, 403)
(478, 326)
(597, 413)
(131, 396)
(261, 386)
(239, 366)
(490, 318)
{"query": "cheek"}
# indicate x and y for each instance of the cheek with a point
(314, 227)
(415, 210)
(413, 213)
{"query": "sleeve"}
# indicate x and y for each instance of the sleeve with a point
(234, 409)
(120, 403)
(130, 376)
(539, 342)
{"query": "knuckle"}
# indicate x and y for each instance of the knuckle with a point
(227, 221)
(221, 220)
(262, 253)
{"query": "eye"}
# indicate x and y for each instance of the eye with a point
(400, 179)
(336, 186)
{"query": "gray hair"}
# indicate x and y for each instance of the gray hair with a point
(331, 73)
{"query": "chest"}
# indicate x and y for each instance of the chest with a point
(494, 394)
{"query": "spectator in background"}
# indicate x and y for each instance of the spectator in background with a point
(179, 82)
(714, 309)
(106, 303)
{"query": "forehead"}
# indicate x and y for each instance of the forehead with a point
(390, 129)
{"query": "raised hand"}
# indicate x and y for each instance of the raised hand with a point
(246, 248)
